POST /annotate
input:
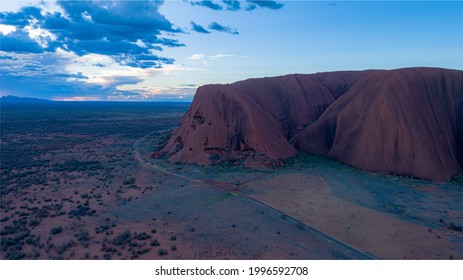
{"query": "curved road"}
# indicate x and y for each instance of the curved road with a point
(314, 231)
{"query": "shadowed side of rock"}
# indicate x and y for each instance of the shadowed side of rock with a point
(407, 121)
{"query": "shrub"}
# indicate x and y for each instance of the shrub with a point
(122, 238)
(162, 252)
(455, 227)
(56, 230)
(142, 236)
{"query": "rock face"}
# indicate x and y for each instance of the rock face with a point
(406, 121)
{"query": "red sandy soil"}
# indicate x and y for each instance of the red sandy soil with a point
(310, 199)
(73, 189)
(405, 121)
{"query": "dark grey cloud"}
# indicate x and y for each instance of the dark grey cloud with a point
(222, 28)
(198, 28)
(188, 85)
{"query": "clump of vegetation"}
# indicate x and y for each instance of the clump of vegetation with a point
(162, 252)
(129, 181)
(142, 236)
(458, 179)
(56, 230)
(102, 228)
(34, 223)
(122, 238)
(81, 211)
(155, 243)
(455, 227)
(143, 251)
(61, 249)
(83, 237)
(75, 165)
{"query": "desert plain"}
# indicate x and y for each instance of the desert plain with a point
(78, 181)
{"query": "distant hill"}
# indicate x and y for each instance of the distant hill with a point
(16, 99)
(405, 121)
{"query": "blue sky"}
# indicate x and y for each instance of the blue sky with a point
(164, 50)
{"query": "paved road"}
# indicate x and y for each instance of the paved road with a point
(314, 231)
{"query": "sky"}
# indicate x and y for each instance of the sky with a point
(165, 50)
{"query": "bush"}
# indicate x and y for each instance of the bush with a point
(142, 236)
(56, 230)
(129, 181)
(455, 227)
(162, 252)
(123, 238)
(34, 223)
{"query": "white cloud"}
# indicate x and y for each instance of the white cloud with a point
(41, 36)
(200, 56)
(78, 98)
(197, 56)
(141, 44)
(218, 56)
(5, 29)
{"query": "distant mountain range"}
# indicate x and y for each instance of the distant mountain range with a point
(16, 99)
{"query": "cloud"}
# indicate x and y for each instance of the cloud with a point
(21, 18)
(197, 56)
(41, 87)
(112, 81)
(9, 57)
(19, 41)
(129, 31)
(222, 28)
(5, 29)
(97, 50)
(208, 4)
(188, 85)
(200, 56)
(234, 5)
(220, 55)
(198, 28)
(264, 4)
